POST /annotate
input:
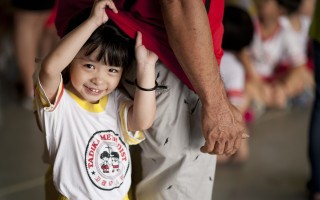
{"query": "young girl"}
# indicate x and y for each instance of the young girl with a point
(87, 122)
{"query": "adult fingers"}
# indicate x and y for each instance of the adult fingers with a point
(236, 145)
(220, 147)
(245, 135)
(208, 146)
(229, 148)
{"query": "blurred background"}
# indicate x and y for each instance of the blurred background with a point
(272, 165)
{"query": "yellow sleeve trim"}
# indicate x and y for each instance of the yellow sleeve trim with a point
(131, 138)
(44, 100)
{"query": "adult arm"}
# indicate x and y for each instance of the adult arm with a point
(190, 38)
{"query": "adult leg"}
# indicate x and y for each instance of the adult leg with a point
(314, 132)
(28, 28)
(50, 36)
(49, 40)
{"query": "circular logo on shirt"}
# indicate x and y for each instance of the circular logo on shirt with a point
(107, 160)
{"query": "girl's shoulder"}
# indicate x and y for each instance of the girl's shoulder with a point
(284, 22)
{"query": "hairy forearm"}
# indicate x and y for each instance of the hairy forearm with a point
(190, 38)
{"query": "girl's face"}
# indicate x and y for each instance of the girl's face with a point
(91, 79)
(268, 9)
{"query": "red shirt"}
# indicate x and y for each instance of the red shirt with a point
(145, 16)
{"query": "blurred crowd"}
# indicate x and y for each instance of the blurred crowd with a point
(267, 63)
(270, 62)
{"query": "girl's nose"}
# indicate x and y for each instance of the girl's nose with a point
(97, 80)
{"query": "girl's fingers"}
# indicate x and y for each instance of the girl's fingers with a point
(138, 39)
(112, 6)
(107, 3)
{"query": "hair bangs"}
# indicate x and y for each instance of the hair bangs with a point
(114, 49)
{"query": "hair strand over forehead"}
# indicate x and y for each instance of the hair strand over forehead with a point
(114, 47)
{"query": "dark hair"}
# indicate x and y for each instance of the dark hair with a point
(291, 6)
(115, 47)
(238, 28)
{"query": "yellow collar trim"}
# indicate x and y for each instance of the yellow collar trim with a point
(91, 107)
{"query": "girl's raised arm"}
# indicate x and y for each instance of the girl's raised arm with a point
(141, 115)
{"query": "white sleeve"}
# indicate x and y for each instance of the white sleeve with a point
(41, 99)
(293, 48)
(233, 77)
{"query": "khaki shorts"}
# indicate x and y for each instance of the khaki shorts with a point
(172, 165)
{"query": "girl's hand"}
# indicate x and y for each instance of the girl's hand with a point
(144, 56)
(98, 13)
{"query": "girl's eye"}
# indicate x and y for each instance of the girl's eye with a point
(113, 70)
(89, 66)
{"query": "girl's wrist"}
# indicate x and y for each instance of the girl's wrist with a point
(145, 70)
(145, 65)
(93, 23)
(147, 89)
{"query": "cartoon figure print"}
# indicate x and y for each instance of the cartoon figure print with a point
(107, 162)
(110, 159)
(105, 156)
(115, 161)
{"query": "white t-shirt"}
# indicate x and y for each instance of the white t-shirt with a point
(268, 52)
(302, 34)
(88, 144)
(233, 76)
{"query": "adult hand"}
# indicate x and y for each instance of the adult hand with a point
(222, 124)
(223, 128)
